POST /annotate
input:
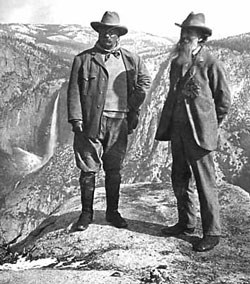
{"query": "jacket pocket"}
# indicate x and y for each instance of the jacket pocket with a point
(89, 78)
(87, 82)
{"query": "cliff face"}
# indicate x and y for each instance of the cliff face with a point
(30, 81)
(34, 75)
(151, 160)
(233, 151)
(30, 78)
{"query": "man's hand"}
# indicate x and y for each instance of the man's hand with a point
(133, 119)
(77, 126)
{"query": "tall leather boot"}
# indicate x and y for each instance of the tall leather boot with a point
(112, 186)
(87, 184)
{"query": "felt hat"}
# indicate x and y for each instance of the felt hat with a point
(109, 20)
(196, 21)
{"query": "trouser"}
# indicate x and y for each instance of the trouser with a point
(109, 150)
(187, 157)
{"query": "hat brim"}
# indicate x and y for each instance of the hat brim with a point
(207, 31)
(97, 26)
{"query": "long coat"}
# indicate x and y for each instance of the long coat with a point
(207, 108)
(88, 86)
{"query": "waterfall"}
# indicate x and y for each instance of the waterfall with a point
(53, 133)
(28, 162)
(25, 161)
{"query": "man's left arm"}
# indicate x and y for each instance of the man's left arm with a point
(141, 87)
(221, 90)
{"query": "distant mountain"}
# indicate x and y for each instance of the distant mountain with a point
(68, 40)
(239, 43)
(35, 65)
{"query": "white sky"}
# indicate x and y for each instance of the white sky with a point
(224, 17)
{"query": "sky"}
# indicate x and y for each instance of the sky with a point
(158, 17)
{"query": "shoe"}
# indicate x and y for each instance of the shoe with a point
(116, 220)
(83, 222)
(177, 229)
(207, 243)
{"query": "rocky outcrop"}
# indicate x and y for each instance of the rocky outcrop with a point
(139, 254)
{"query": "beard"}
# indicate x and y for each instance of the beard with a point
(182, 51)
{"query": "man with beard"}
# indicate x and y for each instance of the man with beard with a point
(107, 86)
(198, 100)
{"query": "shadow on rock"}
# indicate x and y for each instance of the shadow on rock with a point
(66, 222)
(53, 223)
(133, 225)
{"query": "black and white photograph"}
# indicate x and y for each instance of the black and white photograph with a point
(124, 142)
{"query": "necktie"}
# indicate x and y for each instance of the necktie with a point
(116, 53)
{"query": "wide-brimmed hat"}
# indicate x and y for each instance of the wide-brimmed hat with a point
(196, 21)
(109, 20)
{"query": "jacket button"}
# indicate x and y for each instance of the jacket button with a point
(98, 106)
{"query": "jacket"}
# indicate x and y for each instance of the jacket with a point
(88, 85)
(207, 100)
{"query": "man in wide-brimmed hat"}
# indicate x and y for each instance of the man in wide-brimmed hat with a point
(197, 102)
(107, 86)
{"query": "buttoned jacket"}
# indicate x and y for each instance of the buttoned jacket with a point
(206, 108)
(88, 86)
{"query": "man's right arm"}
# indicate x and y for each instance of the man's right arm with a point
(73, 94)
(73, 97)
